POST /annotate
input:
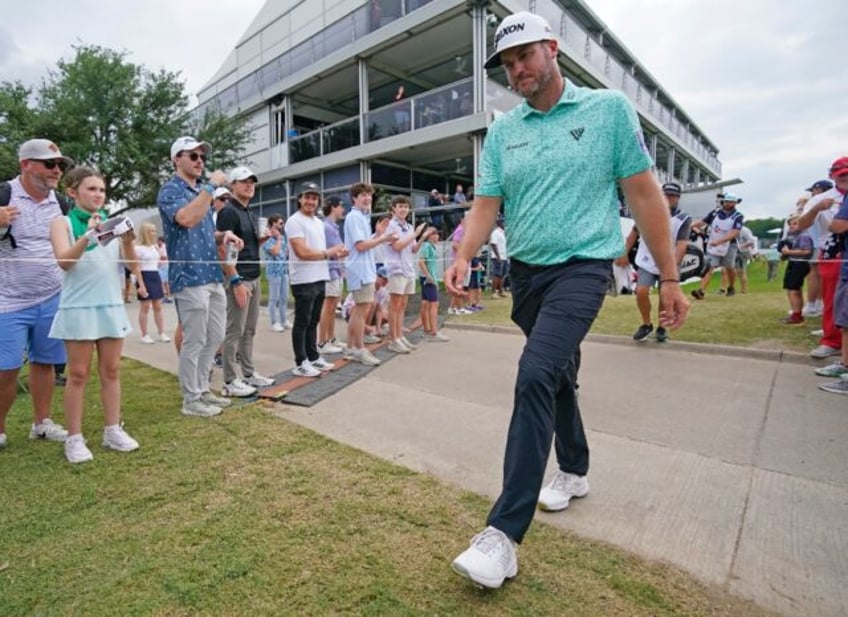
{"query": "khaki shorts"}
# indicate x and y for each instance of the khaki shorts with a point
(401, 285)
(333, 289)
(364, 295)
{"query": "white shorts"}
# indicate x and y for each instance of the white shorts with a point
(333, 289)
(401, 285)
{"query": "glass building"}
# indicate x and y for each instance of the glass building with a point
(393, 92)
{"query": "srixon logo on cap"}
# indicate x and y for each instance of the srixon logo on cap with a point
(509, 30)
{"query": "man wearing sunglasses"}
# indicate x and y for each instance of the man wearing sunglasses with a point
(185, 205)
(30, 281)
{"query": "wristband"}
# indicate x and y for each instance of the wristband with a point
(209, 188)
(236, 280)
(670, 281)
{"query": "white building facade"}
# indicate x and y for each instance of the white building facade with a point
(393, 92)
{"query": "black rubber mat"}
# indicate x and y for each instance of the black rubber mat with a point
(318, 389)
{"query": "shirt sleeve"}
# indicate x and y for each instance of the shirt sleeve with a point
(170, 200)
(631, 152)
(294, 229)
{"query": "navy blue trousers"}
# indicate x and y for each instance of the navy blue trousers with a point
(555, 307)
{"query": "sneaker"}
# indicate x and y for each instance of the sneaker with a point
(116, 438)
(306, 370)
(371, 339)
(817, 333)
(824, 351)
(48, 430)
(164, 338)
(720, 292)
(643, 332)
(837, 369)
(168, 300)
(147, 339)
(365, 357)
(289, 325)
(259, 381)
(340, 344)
(731, 292)
(397, 346)
(278, 327)
(836, 387)
(662, 335)
(698, 294)
(213, 399)
(329, 348)
(76, 451)
(436, 337)
(200, 408)
(811, 310)
(60, 381)
(322, 365)
(556, 495)
(793, 320)
(2, 440)
(238, 388)
(407, 344)
(489, 560)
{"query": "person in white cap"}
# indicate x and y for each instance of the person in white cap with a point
(554, 163)
(185, 205)
(243, 291)
(30, 282)
(724, 224)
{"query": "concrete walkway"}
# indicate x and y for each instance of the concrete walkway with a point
(732, 466)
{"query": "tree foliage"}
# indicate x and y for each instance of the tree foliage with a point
(761, 227)
(105, 111)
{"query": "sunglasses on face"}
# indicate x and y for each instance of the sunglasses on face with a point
(53, 163)
(193, 156)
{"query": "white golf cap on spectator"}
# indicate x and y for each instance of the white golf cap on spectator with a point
(518, 29)
(188, 143)
(41, 150)
(221, 191)
(242, 173)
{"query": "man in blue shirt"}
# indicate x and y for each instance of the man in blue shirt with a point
(185, 205)
(554, 164)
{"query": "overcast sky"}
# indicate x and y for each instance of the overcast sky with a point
(760, 78)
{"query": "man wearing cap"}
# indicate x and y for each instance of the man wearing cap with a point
(242, 284)
(540, 161)
(308, 273)
(333, 211)
(815, 216)
(648, 273)
(30, 282)
(839, 225)
(725, 224)
(185, 205)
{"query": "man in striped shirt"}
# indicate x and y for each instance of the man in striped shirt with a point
(30, 282)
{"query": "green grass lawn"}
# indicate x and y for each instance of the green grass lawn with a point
(744, 320)
(248, 514)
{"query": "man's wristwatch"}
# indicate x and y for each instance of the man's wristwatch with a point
(236, 280)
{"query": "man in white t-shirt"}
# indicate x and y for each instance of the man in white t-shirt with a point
(500, 263)
(308, 273)
(815, 217)
(824, 273)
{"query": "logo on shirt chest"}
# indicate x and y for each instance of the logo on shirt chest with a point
(577, 133)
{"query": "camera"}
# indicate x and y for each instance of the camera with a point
(492, 20)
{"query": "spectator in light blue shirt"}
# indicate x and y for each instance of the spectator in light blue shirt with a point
(360, 269)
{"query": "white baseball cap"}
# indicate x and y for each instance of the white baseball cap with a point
(242, 173)
(41, 150)
(221, 191)
(518, 29)
(188, 143)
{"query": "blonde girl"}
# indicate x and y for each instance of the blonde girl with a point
(91, 310)
(148, 256)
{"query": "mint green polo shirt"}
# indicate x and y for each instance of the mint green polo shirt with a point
(557, 173)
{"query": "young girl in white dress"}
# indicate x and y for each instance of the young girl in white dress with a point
(148, 256)
(91, 310)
